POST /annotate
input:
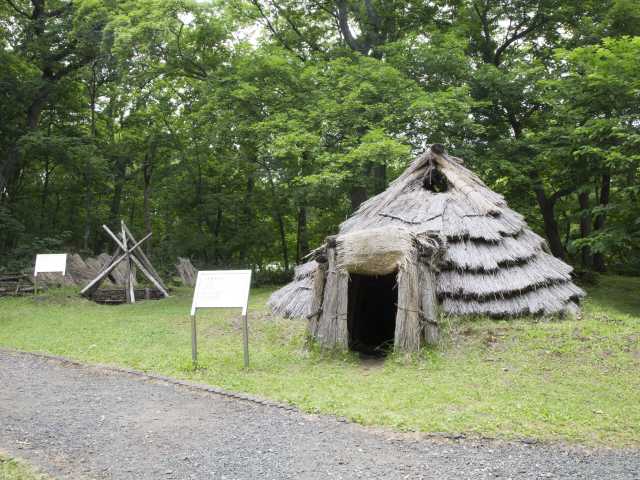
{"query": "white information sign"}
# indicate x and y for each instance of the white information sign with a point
(50, 262)
(221, 289)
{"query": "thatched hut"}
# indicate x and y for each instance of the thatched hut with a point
(437, 242)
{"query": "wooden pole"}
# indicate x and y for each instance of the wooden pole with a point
(130, 254)
(145, 261)
(134, 256)
(429, 305)
(245, 339)
(96, 281)
(129, 289)
(194, 341)
(115, 239)
(149, 276)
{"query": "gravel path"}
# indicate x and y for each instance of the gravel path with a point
(90, 422)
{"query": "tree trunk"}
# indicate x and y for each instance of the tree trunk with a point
(202, 216)
(216, 235)
(88, 197)
(54, 215)
(605, 189)
(37, 105)
(302, 244)
(88, 205)
(132, 213)
(283, 239)
(279, 220)
(547, 207)
(357, 195)
(120, 170)
(248, 214)
(147, 171)
(585, 227)
(12, 166)
(379, 175)
(44, 195)
(146, 200)
(8, 173)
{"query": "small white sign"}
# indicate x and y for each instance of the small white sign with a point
(50, 262)
(222, 288)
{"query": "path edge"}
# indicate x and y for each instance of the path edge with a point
(157, 377)
(202, 387)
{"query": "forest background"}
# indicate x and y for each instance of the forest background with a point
(243, 132)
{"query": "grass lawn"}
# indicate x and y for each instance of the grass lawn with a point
(12, 469)
(577, 380)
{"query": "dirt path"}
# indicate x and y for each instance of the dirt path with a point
(86, 422)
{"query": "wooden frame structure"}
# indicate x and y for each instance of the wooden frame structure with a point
(127, 251)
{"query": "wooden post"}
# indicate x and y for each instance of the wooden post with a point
(319, 280)
(130, 255)
(332, 324)
(194, 341)
(145, 261)
(149, 276)
(429, 305)
(101, 276)
(245, 339)
(129, 288)
(408, 335)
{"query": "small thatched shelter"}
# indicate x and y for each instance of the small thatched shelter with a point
(437, 242)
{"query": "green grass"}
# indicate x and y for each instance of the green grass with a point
(574, 380)
(12, 469)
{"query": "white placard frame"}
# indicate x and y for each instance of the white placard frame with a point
(221, 289)
(48, 263)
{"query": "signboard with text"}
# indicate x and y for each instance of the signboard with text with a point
(50, 263)
(221, 289)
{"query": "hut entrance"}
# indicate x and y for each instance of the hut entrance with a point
(371, 317)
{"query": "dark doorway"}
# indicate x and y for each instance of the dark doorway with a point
(372, 310)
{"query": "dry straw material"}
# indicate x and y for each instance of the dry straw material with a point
(491, 263)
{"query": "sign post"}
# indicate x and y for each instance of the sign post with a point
(48, 263)
(221, 289)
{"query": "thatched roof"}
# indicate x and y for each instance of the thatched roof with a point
(491, 264)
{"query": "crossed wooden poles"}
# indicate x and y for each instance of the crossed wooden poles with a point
(127, 251)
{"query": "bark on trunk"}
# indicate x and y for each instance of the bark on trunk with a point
(547, 207)
(120, 169)
(379, 175)
(44, 195)
(302, 241)
(147, 171)
(216, 236)
(585, 227)
(248, 213)
(146, 200)
(357, 195)
(283, 240)
(279, 220)
(599, 262)
(88, 201)
(88, 196)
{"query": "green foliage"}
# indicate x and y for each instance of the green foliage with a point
(243, 133)
(594, 124)
(23, 256)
